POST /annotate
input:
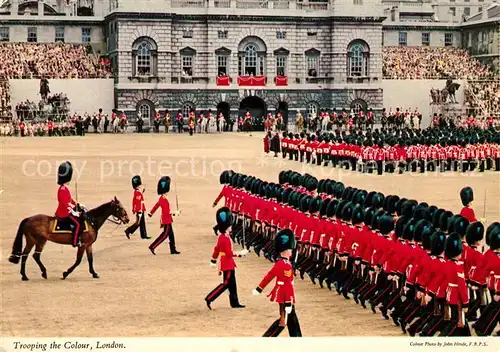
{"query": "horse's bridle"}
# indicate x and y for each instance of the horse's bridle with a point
(117, 220)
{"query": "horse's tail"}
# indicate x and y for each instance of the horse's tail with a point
(18, 244)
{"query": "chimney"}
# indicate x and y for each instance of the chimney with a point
(40, 7)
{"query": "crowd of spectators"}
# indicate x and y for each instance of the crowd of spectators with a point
(483, 96)
(431, 63)
(51, 60)
(5, 107)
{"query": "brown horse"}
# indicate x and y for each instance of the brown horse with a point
(40, 228)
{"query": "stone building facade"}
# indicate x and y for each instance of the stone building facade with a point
(231, 58)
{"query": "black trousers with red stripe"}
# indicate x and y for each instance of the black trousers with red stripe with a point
(167, 232)
(140, 223)
(292, 323)
(228, 283)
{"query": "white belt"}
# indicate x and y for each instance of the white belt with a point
(281, 283)
(496, 276)
(452, 285)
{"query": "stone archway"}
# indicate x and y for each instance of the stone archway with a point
(257, 108)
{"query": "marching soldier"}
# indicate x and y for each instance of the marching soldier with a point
(283, 292)
(156, 122)
(166, 217)
(180, 121)
(224, 250)
(138, 208)
(467, 196)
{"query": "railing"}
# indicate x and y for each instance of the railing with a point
(222, 4)
(189, 3)
(249, 4)
(312, 6)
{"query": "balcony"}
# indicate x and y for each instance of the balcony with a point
(301, 5)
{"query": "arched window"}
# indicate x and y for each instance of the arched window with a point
(312, 110)
(145, 111)
(186, 109)
(251, 60)
(252, 57)
(358, 105)
(358, 55)
(144, 57)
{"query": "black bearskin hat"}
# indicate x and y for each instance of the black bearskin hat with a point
(358, 215)
(339, 209)
(321, 186)
(324, 206)
(385, 224)
(315, 204)
(330, 187)
(466, 195)
(136, 181)
(305, 203)
(495, 238)
(453, 246)
(419, 213)
(489, 231)
(423, 228)
(369, 214)
(359, 197)
(332, 208)
(436, 218)
(444, 219)
(437, 243)
(338, 190)
(459, 224)
(426, 238)
(400, 226)
(163, 185)
(286, 195)
(378, 200)
(430, 212)
(347, 212)
(64, 173)
(369, 197)
(474, 233)
(284, 240)
(409, 207)
(391, 203)
(222, 177)
(224, 219)
(399, 206)
(409, 229)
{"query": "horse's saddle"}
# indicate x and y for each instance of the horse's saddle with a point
(66, 226)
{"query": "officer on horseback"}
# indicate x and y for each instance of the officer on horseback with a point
(68, 208)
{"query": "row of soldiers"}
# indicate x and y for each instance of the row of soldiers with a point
(49, 128)
(420, 264)
(391, 150)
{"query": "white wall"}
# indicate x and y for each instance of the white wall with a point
(408, 94)
(85, 95)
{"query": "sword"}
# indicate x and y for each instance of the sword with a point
(176, 198)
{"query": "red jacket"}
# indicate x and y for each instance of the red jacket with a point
(468, 213)
(457, 292)
(226, 193)
(138, 202)
(437, 283)
(224, 249)
(416, 267)
(166, 217)
(283, 290)
(485, 270)
(66, 202)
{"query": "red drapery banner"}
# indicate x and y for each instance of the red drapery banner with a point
(223, 80)
(281, 80)
(251, 80)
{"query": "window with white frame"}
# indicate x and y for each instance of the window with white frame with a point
(4, 34)
(357, 107)
(426, 38)
(86, 35)
(312, 65)
(187, 33)
(403, 39)
(59, 37)
(222, 34)
(467, 11)
(312, 110)
(448, 39)
(281, 65)
(358, 56)
(222, 65)
(145, 111)
(280, 35)
(187, 65)
(32, 35)
(144, 67)
(358, 2)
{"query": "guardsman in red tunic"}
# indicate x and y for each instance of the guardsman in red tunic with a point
(50, 127)
(283, 291)
(68, 207)
(166, 120)
(226, 192)
(22, 127)
(180, 121)
(166, 217)
(490, 315)
(457, 295)
(467, 196)
(224, 251)
(138, 208)
(472, 258)
(284, 144)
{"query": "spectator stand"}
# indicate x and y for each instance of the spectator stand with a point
(56, 107)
